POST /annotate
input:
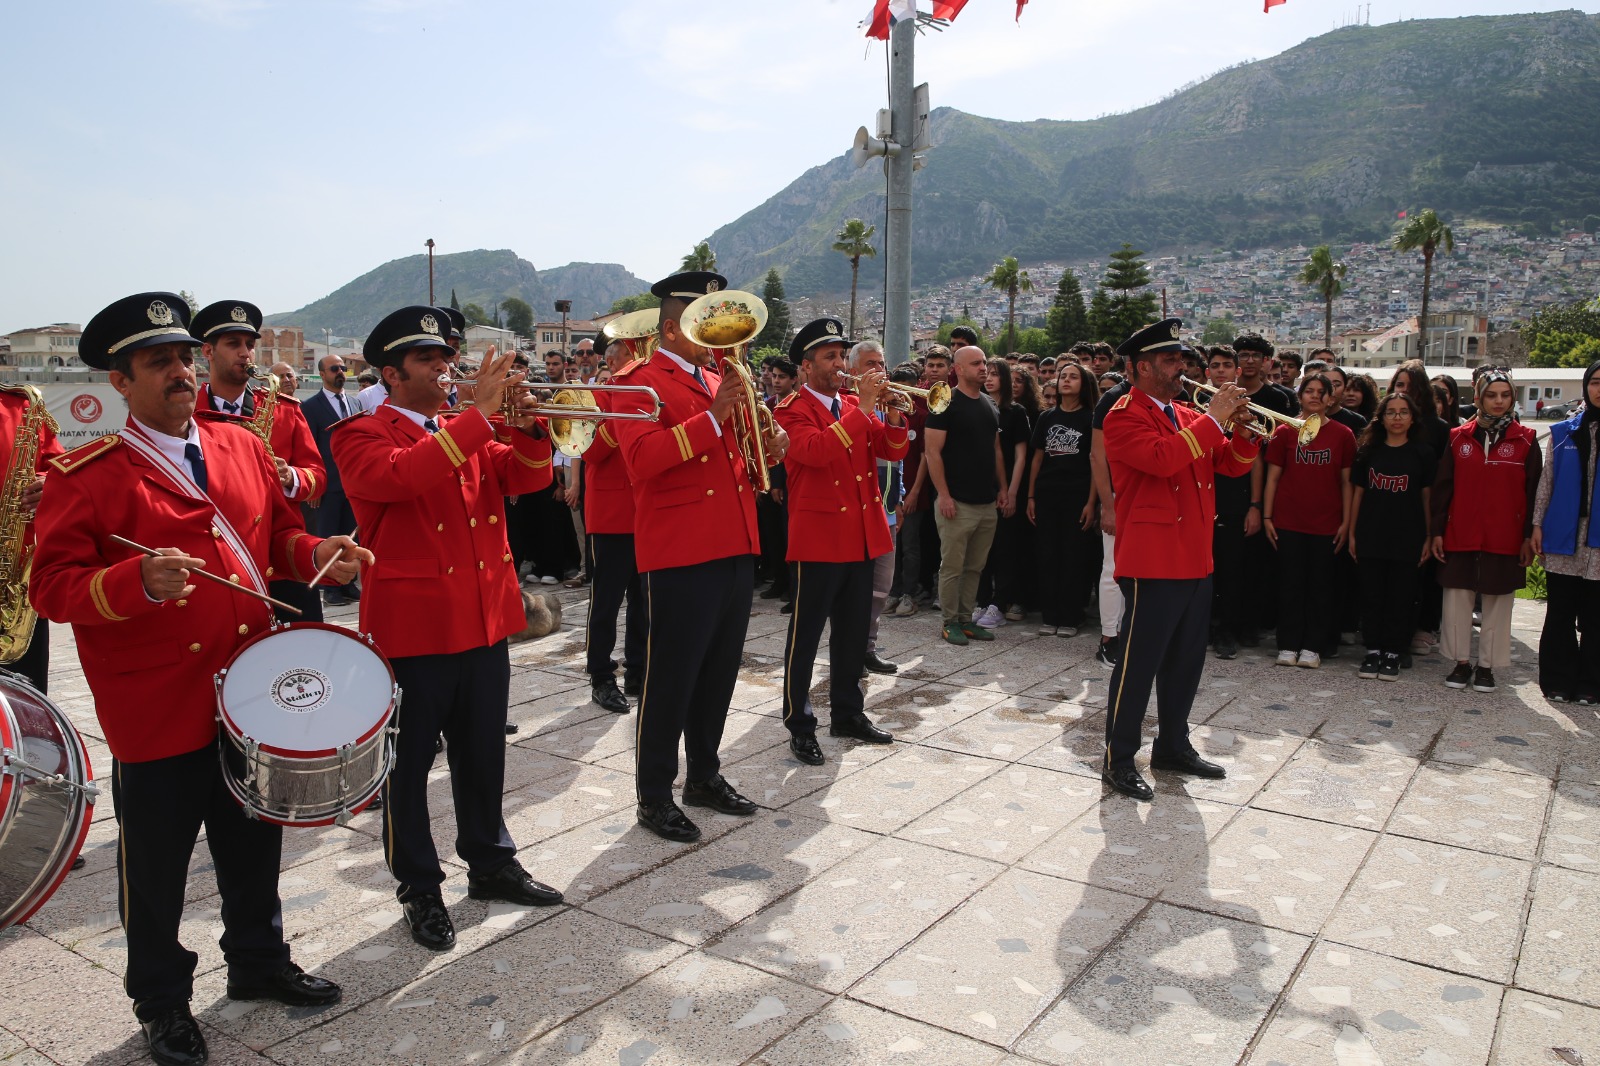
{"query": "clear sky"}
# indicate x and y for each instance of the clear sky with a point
(272, 150)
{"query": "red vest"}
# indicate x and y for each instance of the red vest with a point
(1489, 507)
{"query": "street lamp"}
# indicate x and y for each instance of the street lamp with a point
(564, 306)
(431, 300)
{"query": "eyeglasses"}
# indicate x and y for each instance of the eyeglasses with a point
(337, 366)
(1399, 412)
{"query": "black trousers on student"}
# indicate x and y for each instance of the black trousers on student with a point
(1388, 602)
(698, 618)
(1164, 627)
(613, 575)
(1233, 590)
(34, 663)
(1569, 645)
(1305, 568)
(160, 807)
(463, 696)
(836, 594)
(1068, 556)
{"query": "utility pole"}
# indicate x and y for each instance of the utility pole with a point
(897, 287)
(431, 300)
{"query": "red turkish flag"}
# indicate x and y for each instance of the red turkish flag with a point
(948, 9)
(1024, 3)
(1270, 4)
(877, 23)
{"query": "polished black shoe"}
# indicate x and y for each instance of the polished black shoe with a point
(633, 684)
(1128, 782)
(175, 1038)
(1185, 762)
(352, 592)
(336, 599)
(430, 923)
(805, 748)
(512, 727)
(787, 608)
(511, 884)
(666, 821)
(879, 665)
(775, 592)
(860, 727)
(79, 863)
(291, 986)
(606, 694)
(718, 795)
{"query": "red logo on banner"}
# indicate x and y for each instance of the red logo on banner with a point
(86, 408)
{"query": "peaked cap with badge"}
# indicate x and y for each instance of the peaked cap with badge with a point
(814, 334)
(225, 316)
(458, 323)
(417, 326)
(1157, 337)
(143, 320)
(689, 285)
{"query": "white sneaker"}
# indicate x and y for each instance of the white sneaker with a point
(990, 617)
(1286, 658)
(1066, 631)
(549, 579)
(1047, 631)
(1308, 659)
(906, 608)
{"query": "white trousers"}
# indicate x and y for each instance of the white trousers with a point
(1110, 591)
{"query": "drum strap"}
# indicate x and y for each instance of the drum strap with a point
(135, 438)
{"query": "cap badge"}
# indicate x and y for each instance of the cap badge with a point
(238, 315)
(1174, 332)
(712, 286)
(160, 314)
(430, 324)
(833, 327)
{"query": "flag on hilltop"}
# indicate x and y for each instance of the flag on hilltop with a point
(885, 13)
(1270, 4)
(948, 9)
(1399, 214)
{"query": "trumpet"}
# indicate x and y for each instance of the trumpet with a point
(726, 322)
(1306, 429)
(572, 412)
(899, 397)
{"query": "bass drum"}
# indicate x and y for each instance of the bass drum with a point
(47, 796)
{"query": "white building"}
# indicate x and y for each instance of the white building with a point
(47, 346)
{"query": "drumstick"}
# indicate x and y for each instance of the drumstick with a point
(197, 572)
(325, 568)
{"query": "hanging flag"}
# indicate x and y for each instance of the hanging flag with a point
(1400, 214)
(948, 9)
(1270, 4)
(1024, 3)
(885, 13)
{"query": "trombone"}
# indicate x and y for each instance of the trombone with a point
(572, 411)
(898, 396)
(1306, 429)
(726, 322)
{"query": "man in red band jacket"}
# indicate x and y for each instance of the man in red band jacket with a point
(837, 527)
(441, 601)
(151, 636)
(1164, 458)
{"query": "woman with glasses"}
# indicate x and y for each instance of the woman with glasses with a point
(1569, 546)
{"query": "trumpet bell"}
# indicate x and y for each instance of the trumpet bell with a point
(572, 436)
(1310, 428)
(939, 396)
(730, 318)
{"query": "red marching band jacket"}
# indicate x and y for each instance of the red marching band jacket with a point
(1489, 505)
(1164, 479)
(150, 664)
(431, 507)
(835, 507)
(291, 440)
(607, 493)
(692, 497)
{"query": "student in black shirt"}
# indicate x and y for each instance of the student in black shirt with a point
(1344, 608)
(1061, 503)
(1000, 584)
(1411, 378)
(1237, 518)
(1260, 560)
(1393, 474)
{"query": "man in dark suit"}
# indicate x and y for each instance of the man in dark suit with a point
(334, 516)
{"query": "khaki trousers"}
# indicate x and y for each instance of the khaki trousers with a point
(964, 543)
(1494, 635)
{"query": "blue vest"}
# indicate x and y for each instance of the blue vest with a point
(1566, 486)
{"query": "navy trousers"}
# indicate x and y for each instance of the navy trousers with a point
(612, 575)
(839, 594)
(1164, 626)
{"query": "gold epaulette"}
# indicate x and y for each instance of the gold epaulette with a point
(348, 419)
(84, 454)
(1122, 401)
(787, 400)
(281, 398)
(631, 366)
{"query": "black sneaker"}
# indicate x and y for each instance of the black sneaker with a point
(1460, 677)
(1483, 679)
(1371, 665)
(1226, 646)
(1389, 669)
(1405, 660)
(1107, 653)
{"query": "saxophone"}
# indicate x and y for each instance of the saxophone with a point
(260, 423)
(17, 616)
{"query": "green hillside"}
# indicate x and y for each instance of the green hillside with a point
(1494, 117)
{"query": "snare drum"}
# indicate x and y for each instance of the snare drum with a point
(306, 731)
(47, 796)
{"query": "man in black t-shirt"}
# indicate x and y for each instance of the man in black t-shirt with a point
(964, 464)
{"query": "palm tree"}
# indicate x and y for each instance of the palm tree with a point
(702, 258)
(1327, 277)
(853, 241)
(1425, 233)
(1006, 277)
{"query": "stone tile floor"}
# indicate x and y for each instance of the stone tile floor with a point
(1392, 873)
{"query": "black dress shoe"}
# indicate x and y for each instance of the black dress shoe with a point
(336, 599)
(511, 884)
(633, 684)
(352, 592)
(291, 986)
(1185, 762)
(430, 923)
(1128, 782)
(605, 693)
(175, 1038)
(859, 727)
(665, 820)
(787, 608)
(718, 795)
(79, 863)
(879, 665)
(806, 748)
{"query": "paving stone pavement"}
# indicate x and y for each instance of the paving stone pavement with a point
(1391, 873)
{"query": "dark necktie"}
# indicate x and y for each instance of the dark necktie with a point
(230, 407)
(344, 412)
(701, 378)
(430, 425)
(197, 464)
(836, 408)
(1172, 416)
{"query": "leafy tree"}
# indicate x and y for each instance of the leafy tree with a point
(1220, 330)
(1562, 349)
(1034, 340)
(519, 316)
(1579, 318)
(1327, 277)
(188, 298)
(1425, 233)
(760, 354)
(476, 315)
(702, 258)
(454, 303)
(1009, 278)
(1068, 319)
(854, 241)
(1591, 223)
(1118, 308)
(635, 303)
(945, 329)
(775, 334)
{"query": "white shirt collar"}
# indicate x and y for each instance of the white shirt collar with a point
(687, 367)
(170, 446)
(333, 397)
(824, 399)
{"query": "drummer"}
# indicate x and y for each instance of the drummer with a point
(151, 634)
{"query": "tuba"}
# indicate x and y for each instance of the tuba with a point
(17, 616)
(726, 322)
(637, 330)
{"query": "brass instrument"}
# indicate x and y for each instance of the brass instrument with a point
(726, 322)
(17, 615)
(571, 411)
(1305, 428)
(260, 423)
(637, 331)
(936, 396)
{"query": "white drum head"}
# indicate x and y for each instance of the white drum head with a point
(307, 689)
